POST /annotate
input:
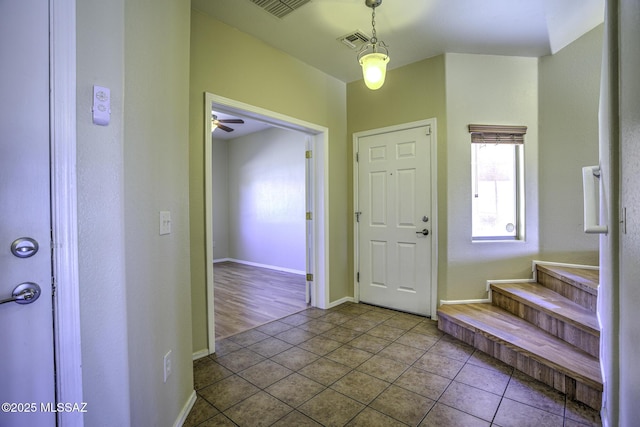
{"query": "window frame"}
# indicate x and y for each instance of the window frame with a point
(508, 135)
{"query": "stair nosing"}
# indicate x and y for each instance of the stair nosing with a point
(594, 330)
(557, 365)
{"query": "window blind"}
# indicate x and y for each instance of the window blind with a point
(497, 134)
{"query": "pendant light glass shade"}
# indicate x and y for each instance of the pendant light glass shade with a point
(374, 56)
(374, 69)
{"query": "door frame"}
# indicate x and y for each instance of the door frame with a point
(434, 204)
(66, 309)
(319, 141)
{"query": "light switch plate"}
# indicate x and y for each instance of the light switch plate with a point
(165, 222)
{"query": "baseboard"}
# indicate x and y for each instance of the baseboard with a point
(184, 413)
(200, 354)
(256, 264)
(465, 301)
(604, 417)
(341, 301)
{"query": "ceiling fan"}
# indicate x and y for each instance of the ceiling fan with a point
(215, 123)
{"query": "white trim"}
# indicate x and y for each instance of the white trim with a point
(208, 219)
(68, 351)
(200, 354)
(184, 413)
(341, 301)
(356, 210)
(270, 267)
(434, 204)
(320, 142)
(465, 301)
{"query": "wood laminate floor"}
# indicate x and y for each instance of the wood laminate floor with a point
(247, 296)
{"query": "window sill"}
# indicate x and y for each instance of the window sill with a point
(498, 241)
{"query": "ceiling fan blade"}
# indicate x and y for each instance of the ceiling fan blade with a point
(231, 121)
(224, 128)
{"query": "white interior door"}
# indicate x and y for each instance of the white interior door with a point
(26, 332)
(394, 219)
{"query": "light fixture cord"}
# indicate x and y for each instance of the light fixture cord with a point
(374, 38)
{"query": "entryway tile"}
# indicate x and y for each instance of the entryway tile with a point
(370, 418)
(265, 373)
(445, 416)
(403, 405)
(471, 400)
(360, 386)
(295, 389)
(325, 371)
(261, 409)
(228, 392)
(516, 414)
(331, 408)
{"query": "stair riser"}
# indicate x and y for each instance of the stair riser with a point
(567, 290)
(573, 388)
(584, 340)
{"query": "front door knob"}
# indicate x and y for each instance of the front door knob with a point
(424, 232)
(24, 293)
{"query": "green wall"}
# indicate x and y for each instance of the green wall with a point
(445, 87)
(556, 97)
(569, 94)
(488, 89)
(249, 71)
(134, 283)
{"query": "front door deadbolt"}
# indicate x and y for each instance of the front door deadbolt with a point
(24, 247)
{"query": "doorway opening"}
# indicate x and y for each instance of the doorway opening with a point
(259, 223)
(316, 186)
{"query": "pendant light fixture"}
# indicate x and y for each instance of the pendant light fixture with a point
(374, 56)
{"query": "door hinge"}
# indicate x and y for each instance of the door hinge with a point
(428, 130)
(309, 216)
(309, 277)
(357, 157)
(358, 216)
(358, 277)
(308, 154)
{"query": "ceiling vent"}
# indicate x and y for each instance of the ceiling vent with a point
(355, 39)
(280, 8)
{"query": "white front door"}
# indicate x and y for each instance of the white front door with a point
(27, 379)
(394, 219)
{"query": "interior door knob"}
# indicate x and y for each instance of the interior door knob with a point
(424, 232)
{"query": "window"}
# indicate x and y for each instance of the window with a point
(496, 179)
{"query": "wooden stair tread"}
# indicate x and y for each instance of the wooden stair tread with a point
(552, 303)
(522, 336)
(582, 278)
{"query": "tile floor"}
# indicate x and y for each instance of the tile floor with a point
(359, 365)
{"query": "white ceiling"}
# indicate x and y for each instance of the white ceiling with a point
(413, 29)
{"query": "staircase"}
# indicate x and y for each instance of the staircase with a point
(545, 327)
